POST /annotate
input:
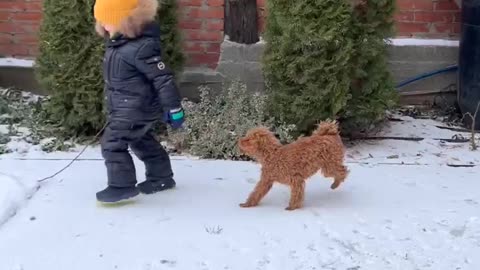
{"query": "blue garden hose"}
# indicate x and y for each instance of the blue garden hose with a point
(427, 75)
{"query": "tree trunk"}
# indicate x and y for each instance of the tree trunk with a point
(241, 21)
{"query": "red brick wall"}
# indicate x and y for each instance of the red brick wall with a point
(19, 24)
(427, 18)
(201, 22)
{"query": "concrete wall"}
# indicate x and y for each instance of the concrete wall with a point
(409, 61)
(242, 62)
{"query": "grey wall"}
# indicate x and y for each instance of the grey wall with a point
(242, 62)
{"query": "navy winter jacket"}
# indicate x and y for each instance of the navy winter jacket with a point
(139, 87)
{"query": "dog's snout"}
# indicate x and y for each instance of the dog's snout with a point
(243, 143)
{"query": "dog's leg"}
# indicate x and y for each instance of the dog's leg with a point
(340, 174)
(297, 195)
(261, 189)
(337, 172)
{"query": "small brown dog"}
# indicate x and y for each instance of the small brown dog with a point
(294, 163)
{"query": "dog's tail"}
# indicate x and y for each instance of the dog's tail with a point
(326, 128)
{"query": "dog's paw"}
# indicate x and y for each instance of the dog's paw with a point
(246, 205)
(335, 185)
(291, 208)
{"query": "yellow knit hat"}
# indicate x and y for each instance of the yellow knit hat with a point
(113, 12)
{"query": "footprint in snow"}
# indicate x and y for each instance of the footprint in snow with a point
(364, 234)
(293, 255)
(458, 232)
(312, 247)
(314, 212)
(159, 265)
(251, 181)
(263, 263)
(471, 202)
(410, 184)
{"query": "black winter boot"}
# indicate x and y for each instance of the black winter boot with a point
(150, 187)
(115, 194)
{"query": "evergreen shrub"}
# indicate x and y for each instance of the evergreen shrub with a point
(327, 59)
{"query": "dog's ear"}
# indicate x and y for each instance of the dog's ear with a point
(268, 137)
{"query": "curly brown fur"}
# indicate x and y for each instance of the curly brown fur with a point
(294, 163)
(133, 25)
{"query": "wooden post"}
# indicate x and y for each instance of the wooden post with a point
(241, 21)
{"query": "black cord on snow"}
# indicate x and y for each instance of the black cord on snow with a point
(76, 157)
(379, 138)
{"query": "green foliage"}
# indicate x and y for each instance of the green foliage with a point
(69, 65)
(171, 37)
(215, 124)
(372, 86)
(307, 60)
(22, 119)
(327, 59)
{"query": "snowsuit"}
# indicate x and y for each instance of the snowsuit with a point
(138, 89)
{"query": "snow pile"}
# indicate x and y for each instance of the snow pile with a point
(423, 42)
(14, 191)
(16, 62)
(10, 195)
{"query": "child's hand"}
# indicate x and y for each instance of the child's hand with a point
(175, 118)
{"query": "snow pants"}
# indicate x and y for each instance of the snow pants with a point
(117, 138)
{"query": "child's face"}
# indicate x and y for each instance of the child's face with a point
(109, 28)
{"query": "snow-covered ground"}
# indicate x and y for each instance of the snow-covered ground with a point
(401, 208)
